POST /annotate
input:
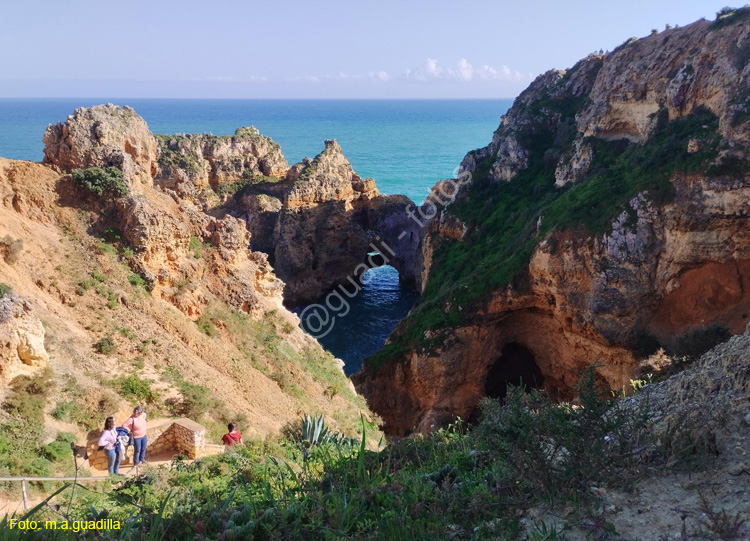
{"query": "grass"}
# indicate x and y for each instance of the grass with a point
(504, 218)
(471, 483)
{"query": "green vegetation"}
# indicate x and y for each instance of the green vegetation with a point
(105, 346)
(78, 406)
(244, 186)
(507, 220)
(197, 246)
(170, 157)
(696, 342)
(137, 281)
(5, 289)
(726, 16)
(473, 484)
(136, 389)
(101, 181)
(22, 450)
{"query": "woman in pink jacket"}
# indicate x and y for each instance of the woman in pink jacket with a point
(136, 423)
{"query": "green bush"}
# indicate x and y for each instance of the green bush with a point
(136, 280)
(105, 346)
(5, 289)
(207, 326)
(136, 389)
(59, 449)
(696, 342)
(197, 400)
(102, 181)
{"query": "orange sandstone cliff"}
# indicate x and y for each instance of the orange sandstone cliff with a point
(609, 214)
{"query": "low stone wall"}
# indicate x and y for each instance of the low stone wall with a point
(179, 436)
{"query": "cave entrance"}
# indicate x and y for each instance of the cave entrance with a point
(515, 366)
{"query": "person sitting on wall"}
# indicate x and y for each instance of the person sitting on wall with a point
(109, 444)
(233, 436)
(136, 423)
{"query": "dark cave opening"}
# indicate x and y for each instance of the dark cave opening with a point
(515, 366)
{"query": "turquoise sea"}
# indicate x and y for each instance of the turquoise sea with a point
(405, 145)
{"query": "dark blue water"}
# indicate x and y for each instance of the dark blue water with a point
(405, 145)
(360, 327)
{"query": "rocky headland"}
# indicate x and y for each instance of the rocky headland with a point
(607, 217)
(117, 284)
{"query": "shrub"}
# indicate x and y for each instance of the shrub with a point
(196, 246)
(207, 326)
(99, 276)
(196, 400)
(11, 249)
(696, 342)
(644, 344)
(137, 389)
(5, 289)
(60, 448)
(102, 181)
(105, 346)
(136, 280)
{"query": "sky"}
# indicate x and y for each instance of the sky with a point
(306, 49)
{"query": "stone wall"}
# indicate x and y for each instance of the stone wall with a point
(165, 437)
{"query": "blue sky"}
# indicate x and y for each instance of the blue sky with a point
(304, 49)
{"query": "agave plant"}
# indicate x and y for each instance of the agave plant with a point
(314, 430)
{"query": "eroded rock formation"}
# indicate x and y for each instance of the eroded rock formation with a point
(203, 159)
(21, 337)
(612, 255)
(320, 223)
(182, 253)
(104, 136)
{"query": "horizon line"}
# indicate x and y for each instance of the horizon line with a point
(248, 99)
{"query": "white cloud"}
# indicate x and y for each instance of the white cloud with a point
(464, 71)
(379, 76)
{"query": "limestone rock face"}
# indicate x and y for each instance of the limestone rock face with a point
(21, 337)
(664, 266)
(184, 254)
(203, 159)
(329, 177)
(104, 136)
(322, 221)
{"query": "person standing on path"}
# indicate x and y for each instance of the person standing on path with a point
(233, 436)
(108, 443)
(136, 423)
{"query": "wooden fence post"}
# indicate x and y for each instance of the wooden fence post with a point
(25, 497)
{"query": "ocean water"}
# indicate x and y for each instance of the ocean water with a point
(361, 326)
(405, 145)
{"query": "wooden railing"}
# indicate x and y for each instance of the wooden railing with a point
(24, 479)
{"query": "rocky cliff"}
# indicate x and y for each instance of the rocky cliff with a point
(609, 213)
(104, 136)
(203, 159)
(136, 294)
(320, 223)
